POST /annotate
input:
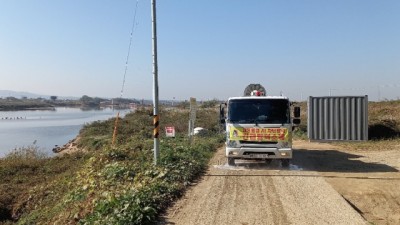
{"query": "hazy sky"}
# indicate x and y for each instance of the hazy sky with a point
(207, 48)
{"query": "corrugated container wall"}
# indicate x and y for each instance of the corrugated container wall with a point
(338, 118)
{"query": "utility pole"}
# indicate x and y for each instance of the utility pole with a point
(156, 117)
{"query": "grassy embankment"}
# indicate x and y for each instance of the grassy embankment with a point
(107, 184)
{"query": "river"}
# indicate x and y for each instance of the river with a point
(46, 128)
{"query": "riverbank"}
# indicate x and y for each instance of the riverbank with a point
(90, 172)
(69, 148)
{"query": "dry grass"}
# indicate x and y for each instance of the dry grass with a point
(26, 168)
(384, 119)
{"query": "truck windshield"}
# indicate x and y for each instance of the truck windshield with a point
(269, 111)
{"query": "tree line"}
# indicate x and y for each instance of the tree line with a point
(24, 103)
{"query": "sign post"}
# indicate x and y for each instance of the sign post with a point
(192, 117)
(170, 132)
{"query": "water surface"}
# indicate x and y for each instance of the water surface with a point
(46, 128)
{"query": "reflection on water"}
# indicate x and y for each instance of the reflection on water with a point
(46, 128)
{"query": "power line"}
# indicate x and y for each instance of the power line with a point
(126, 69)
(379, 86)
(129, 48)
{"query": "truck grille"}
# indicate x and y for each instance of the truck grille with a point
(259, 142)
(251, 153)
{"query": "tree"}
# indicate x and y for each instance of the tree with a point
(89, 101)
(53, 98)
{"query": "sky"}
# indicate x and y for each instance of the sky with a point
(207, 49)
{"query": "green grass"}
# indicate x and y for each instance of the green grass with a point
(133, 190)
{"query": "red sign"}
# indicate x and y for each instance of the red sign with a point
(170, 131)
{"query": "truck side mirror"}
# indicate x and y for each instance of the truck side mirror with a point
(296, 111)
(222, 113)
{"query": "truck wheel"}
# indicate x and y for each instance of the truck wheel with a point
(231, 161)
(285, 163)
(268, 161)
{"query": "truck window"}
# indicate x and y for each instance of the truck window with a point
(267, 111)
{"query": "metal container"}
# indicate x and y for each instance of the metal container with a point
(338, 118)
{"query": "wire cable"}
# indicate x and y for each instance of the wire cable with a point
(129, 48)
(126, 69)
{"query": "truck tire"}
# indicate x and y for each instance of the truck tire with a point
(231, 161)
(285, 163)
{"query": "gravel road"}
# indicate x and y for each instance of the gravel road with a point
(256, 193)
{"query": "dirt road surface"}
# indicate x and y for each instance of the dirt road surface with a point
(368, 179)
(257, 193)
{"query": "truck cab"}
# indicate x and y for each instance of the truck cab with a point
(259, 127)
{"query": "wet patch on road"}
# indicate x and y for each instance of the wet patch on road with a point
(257, 165)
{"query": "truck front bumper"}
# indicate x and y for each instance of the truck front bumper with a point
(259, 153)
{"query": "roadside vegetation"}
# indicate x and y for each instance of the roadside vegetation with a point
(384, 119)
(108, 184)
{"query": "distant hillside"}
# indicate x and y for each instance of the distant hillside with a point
(20, 94)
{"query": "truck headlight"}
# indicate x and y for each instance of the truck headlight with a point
(233, 153)
(232, 144)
